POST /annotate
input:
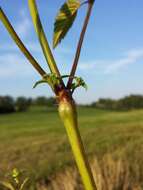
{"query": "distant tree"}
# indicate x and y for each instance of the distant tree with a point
(40, 101)
(126, 103)
(131, 102)
(51, 101)
(105, 103)
(29, 101)
(22, 104)
(6, 104)
(44, 101)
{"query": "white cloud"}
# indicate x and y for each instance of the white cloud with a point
(111, 66)
(10, 56)
(14, 65)
(92, 65)
(87, 65)
(24, 25)
(131, 57)
(31, 46)
(63, 50)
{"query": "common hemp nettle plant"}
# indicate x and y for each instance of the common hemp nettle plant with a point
(15, 181)
(63, 92)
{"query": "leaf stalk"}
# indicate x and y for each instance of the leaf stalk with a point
(79, 46)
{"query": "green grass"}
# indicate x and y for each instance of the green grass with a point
(36, 141)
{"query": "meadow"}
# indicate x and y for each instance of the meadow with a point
(35, 141)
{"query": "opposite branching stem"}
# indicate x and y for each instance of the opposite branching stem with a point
(19, 43)
(79, 46)
(42, 38)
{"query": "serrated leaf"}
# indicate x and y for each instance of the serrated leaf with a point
(64, 20)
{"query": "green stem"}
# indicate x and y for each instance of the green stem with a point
(67, 112)
(42, 38)
(19, 43)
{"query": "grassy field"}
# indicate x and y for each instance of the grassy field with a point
(36, 141)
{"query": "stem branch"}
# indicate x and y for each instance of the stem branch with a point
(79, 46)
(42, 38)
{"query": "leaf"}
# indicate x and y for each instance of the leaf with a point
(51, 79)
(40, 82)
(78, 82)
(24, 183)
(7, 185)
(64, 20)
(15, 173)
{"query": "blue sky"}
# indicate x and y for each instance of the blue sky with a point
(111, 60)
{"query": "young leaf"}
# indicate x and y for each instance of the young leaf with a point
(51, 79)
(40, 82)
(15, 173)
(64, 20)
(46, 79)
(78, 82)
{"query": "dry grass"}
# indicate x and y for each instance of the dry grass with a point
(109, 174)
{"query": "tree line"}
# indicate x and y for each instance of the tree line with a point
(9, 104)
(126, 103)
